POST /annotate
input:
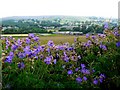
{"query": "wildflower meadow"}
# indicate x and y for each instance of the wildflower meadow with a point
(86, 65)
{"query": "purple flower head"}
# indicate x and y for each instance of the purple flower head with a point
(102, 76)
(8, 59)
(85, 71)
(48, 50)
(116, 33)
(78, 79)
(101, 80)
(105, 25)
(95, 82)
(21, 55)
(85, 78)
(11, 54)
(61, 47)
(76, 69)
(118, 44)
(87, 44)
(19, 42)
(31, 35)
(87, 35)
(27, 41)
(27, 50)
(83, 66)
(93, 37)
(66, 59)
(41, 48)
(48, 60)
(103, 47)
(54, 61)
(50, 43)
(93, 70)
(70, 72)
(21, 65)
(14, 47)
(36, 38)
(7, 43)
(70, 48)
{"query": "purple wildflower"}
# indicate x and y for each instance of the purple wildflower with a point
(87, 44)
(8, 59)
(93, 37)
(11, 54)
(14, 47)
(21, 65)
(66, 59)
(116, 33)
(54, 61)
(83, 66)
(7, 43)
(48, 50)
(87, 35)
(70, 72)
(70, 48)
(78, 79)
(27, 41)
(76, 69)
(95, 82)
(101, 80)
(31, 35)
(93, 70)
(103, 47)
(50, 43)
(19, 42)
(102, 35)
(36, 38)
(102, 76)
(85, 78)
(21, 55)
(48, 60)
(85, 71)
(118, 44)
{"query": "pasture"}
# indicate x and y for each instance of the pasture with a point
(57, 39)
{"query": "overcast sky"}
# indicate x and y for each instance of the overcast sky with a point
(103, 8)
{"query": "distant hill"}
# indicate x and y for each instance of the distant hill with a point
(50, 17)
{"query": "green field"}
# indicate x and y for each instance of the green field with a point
(57, 39)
